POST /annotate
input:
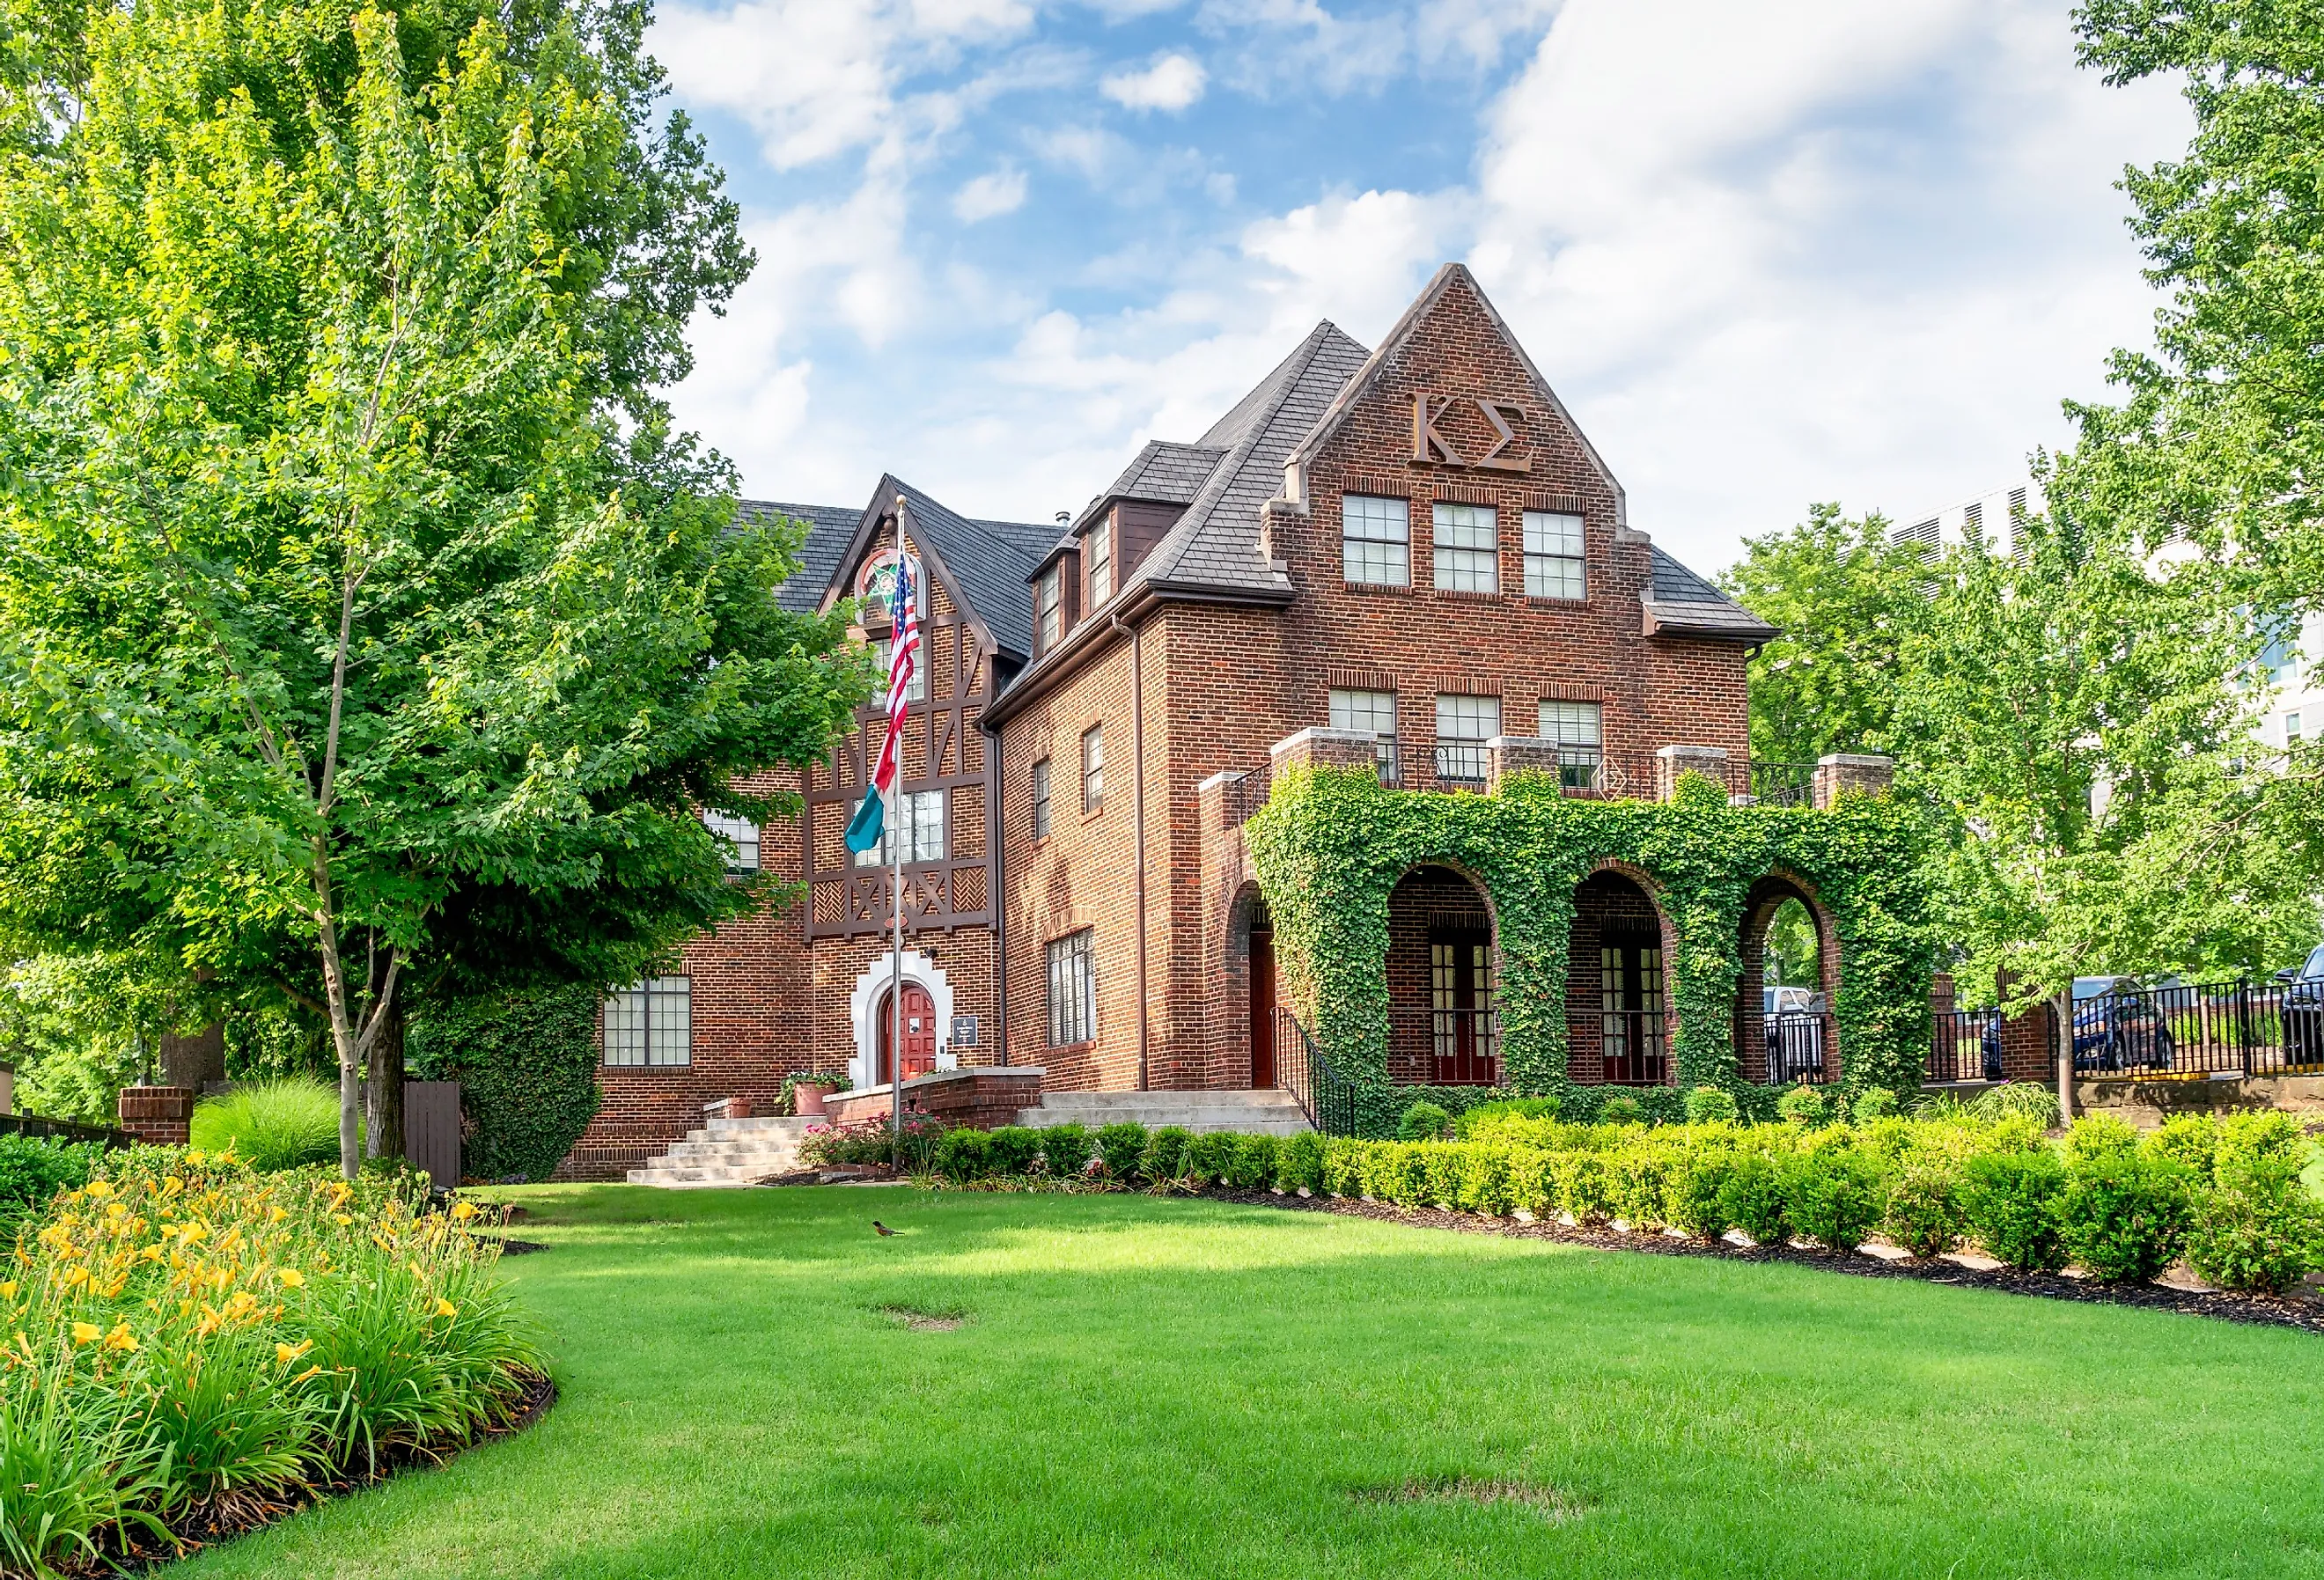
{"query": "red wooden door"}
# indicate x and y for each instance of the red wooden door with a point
(1262, 1009)
(919, 1033)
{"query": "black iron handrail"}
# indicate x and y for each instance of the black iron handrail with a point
(1301, 1069)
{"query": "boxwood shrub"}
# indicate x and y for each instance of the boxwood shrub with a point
(2122, 1215)
(2010, 1201)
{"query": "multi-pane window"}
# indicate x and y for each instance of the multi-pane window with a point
(651, 1024)
(1041, 799)
(1092, 768)
(1072, 989)
(1101, 564)
(1553, 555)
(919, 823)
(1468, 548)
(916, 689)
(1577, 728)
(1373, 713)
(1376, 540)
(1463, 726)
(2291, 729)
(1048, 610)
(743, 835)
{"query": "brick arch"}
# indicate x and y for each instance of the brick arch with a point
(1246, 910)
(1765, 898)
(1614, 892)
(1438, 904)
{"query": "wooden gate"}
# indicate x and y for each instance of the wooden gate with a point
(431, 1130)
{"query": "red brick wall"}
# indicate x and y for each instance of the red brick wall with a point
(159, 1114)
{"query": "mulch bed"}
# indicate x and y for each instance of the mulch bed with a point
(2295, 1311)
(239, 1514)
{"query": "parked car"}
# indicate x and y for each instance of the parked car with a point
(2303, 1010)
(2117, 1027)
(1794, 1025)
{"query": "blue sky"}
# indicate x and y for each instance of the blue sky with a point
(1767, 250)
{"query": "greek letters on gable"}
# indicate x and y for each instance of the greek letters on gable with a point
(1431, 447)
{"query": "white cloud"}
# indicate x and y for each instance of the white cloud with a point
(1173, 82)
(989, 196)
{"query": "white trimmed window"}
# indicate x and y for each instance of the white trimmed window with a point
(1092, 768)
(743, 835)
(1552, 555)
(1463, 726)
(1048, 612)
(1468, 548)
(1376, 540)
(883, 652)
(1100, 563)
(1073, 989)
(1373, 713)
(1579, 730)
(920, 821)
(1041, 799)
(651, 1024)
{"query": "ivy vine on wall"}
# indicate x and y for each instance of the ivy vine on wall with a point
(1332, 843)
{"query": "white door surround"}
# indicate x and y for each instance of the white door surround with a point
(863, 1011)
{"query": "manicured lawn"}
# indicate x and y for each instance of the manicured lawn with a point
(1182, 1389)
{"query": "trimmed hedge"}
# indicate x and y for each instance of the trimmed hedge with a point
(527, 1065)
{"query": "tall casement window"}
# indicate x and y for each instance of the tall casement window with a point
(1376, 540)
(651, 1024)
(919, 823)
(1374, 714)
(1553, 555)
(1041, 799)
(1073, 989)
(1578, 730)
(1100, 551)
(1463, 726)
(1092, 768)
(1049, 611)
(741, 834)
(1468, 548)
(916, 689)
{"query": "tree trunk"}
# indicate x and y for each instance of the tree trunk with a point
(383, 1086)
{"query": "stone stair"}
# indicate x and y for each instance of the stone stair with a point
(726, 1153)
(1274, 1113)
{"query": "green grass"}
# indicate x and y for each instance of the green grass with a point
(1180, 1389)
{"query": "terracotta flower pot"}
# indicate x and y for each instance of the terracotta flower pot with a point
(806, 1099)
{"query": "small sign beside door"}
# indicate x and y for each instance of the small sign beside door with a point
(963, 1030)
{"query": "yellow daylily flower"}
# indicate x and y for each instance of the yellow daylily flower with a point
(341, 1219)
(462, 1211)
(286, 1353)
(193, 1155)
(291, 1276)
(121, 1338)
(86, 1333)
(98, 1189)
(444, 1307)
(8, 1289)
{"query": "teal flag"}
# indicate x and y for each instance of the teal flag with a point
(864, 829)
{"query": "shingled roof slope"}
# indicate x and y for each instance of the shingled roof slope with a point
(988, 559)
(1678, 598)
(828, 529)
(1171, 474)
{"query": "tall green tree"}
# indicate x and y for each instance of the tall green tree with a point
(360, 618)
(1846, 599)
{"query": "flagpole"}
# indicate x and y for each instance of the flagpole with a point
(896, 872)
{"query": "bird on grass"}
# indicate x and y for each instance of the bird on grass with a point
(883, 1228)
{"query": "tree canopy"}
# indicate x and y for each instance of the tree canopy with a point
(361, 618)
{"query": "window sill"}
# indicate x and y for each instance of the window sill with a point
(1473, 596)
(1580, 603)
(1086, 1045)
(1398, 589)
(1092, 814)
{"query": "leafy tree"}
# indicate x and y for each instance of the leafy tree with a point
(364, 620)
(1846, 599)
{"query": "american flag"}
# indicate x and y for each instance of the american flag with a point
(903, 658)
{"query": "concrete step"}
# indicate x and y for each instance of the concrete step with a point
(726, 1154)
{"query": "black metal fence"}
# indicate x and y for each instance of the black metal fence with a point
(1301, 1069)
(62, 1129)
(1444, 1047)
(1585, 772)
(1965, 1045)
(2182, 1031)
(1798, 1050)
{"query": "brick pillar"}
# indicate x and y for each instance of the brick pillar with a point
(1852, 772)
(158, 1114)
(1321, 748)
(1942, 998)
(1670, 761)
(1507, 754)
(2026, 1053)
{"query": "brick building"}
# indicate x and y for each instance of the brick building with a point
(1412, 548)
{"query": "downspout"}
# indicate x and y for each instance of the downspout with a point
(1138, 821)
(997, 837)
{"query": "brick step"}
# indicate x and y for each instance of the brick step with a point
(1266, 1113)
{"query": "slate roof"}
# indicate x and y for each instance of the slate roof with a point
(828, 529)
(1172, 474)
(989, 560)
(1678, 599)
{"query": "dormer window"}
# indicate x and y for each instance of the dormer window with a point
(1101, 562)
(1049, 609)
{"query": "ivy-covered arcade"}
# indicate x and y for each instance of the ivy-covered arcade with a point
(1452, 945)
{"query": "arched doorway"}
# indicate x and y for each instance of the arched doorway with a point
(1262, 999)
(1444, 1022)
(919, 1033)
(1616, 999)
(1782, 1010)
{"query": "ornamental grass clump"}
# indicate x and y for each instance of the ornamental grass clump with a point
(271, 1125)
(190, 1338)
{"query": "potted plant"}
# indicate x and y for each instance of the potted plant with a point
(805, 1090)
